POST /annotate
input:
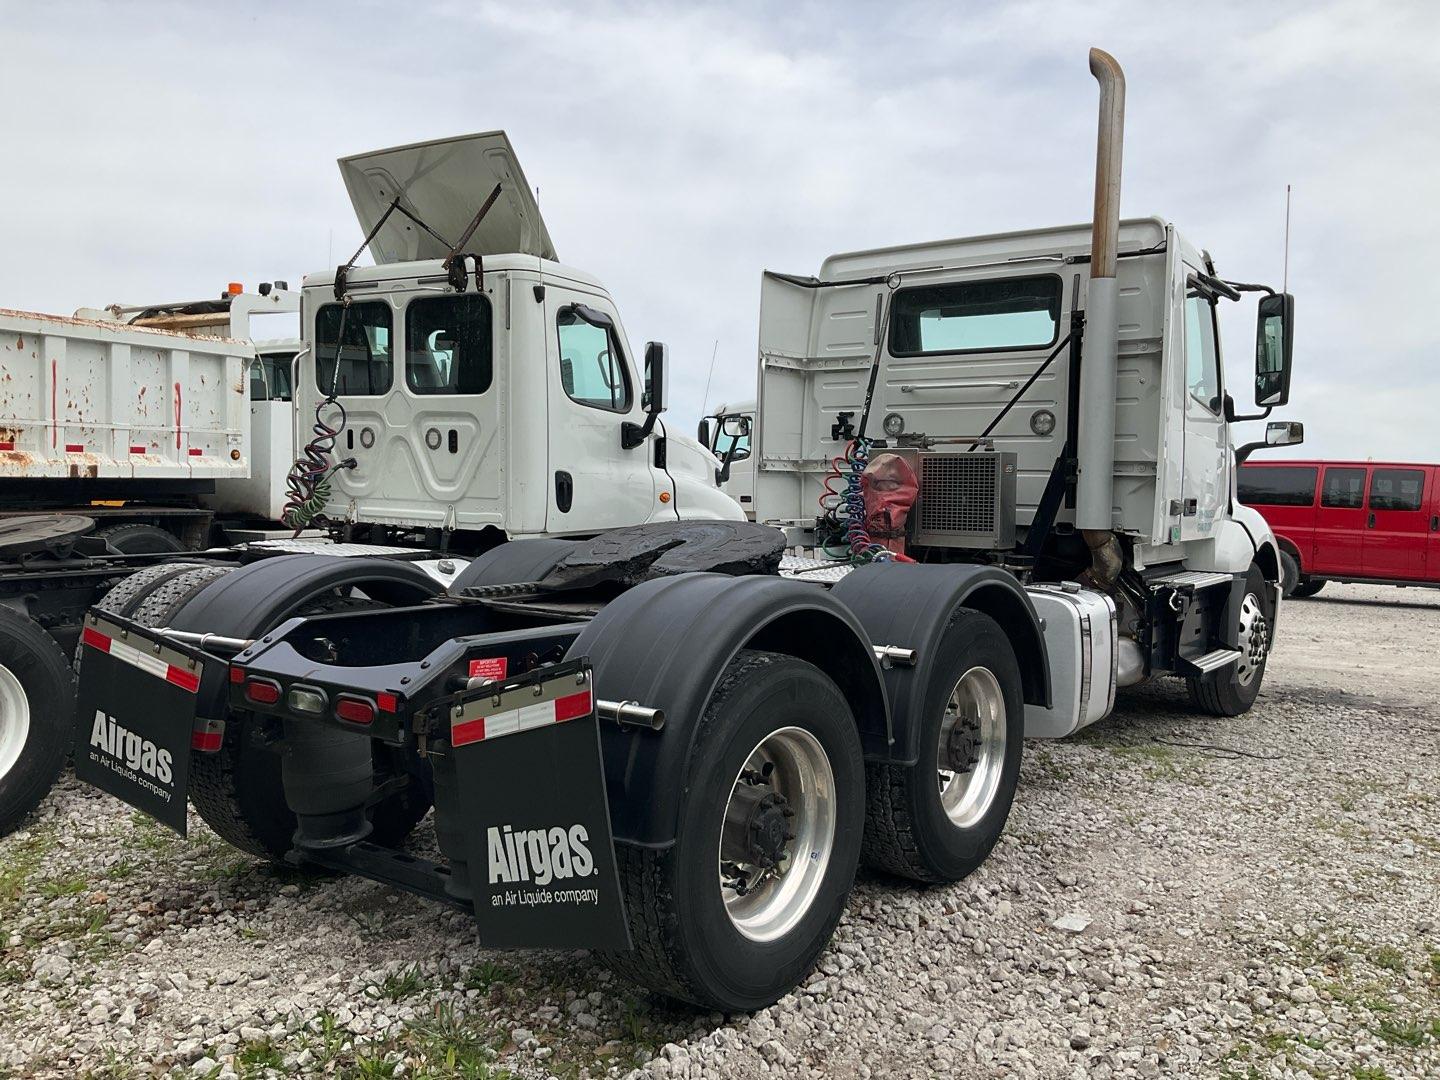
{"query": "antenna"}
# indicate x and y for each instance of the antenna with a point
(705, 401)
(1285, 275)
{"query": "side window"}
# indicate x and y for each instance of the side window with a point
(277, 376)
(448, 346)
(1202, 359)
(362, 364)
(258, 390)
(592, 369)
(1277, 485)
(1396, 489)
(1344, 489)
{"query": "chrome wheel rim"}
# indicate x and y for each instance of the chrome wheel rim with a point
(972, 747)
(14, 720)
(1254, 640)
(787, 771)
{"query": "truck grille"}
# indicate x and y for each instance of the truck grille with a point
(966, 500)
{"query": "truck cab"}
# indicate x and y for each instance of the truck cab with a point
(965, 362)
(504, 400)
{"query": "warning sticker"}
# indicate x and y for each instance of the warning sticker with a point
(490, 667)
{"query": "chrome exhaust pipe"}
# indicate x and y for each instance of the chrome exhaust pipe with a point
(1095, 451)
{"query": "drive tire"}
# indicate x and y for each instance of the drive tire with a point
(1223, 692)
(684, 941)
(1289, 573)
(908, 831)
(139, 539)
(1307, 587)
(37, 703)
(238, 790)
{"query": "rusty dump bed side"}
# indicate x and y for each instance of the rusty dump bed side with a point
(90, 399)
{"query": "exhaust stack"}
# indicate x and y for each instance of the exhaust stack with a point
(1095, 451)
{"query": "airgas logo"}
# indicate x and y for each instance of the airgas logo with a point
(137, 752)
(538, 855)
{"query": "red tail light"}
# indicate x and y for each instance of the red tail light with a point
(237, 675)
(262, 691)
(356, 710)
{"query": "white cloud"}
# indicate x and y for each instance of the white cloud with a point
(160, 151)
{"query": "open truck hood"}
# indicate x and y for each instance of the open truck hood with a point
(444, 183)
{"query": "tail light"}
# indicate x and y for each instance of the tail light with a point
(356, 710)
(262, 691)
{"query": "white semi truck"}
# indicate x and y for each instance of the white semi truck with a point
(643, 734)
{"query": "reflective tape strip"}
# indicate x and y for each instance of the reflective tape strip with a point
(525, 718)
(186, 680)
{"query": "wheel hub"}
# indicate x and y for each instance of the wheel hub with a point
(776, 834)
(757, 826)
(961, 751)
(971, 750)
(1254, 639)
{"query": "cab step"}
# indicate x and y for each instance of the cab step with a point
(1214, 661)
(1191, 579)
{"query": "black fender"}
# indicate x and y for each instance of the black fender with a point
(910, 606)
(665, 643)
(253, 599)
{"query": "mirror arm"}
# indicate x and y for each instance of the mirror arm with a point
(633, 434)
(1256, 416)
(1244, 452)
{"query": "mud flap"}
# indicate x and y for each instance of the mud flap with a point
(135, 715)
(532, 791)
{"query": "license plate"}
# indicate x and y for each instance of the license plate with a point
(532, 788)
(136, 708)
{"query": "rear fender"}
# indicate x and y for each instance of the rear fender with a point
(665, 644)
(253, 599)
(912, 606)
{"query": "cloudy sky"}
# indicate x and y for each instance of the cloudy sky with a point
(157, 151)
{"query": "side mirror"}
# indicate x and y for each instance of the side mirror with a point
(735, 433)
(1277, 433)
(702, 434)
(657, 363)
(734, 436)
(1284, 433)
(1274, 348)
(652, 399)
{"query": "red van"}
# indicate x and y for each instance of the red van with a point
(1366, 521)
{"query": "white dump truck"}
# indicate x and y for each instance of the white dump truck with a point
(655, 735)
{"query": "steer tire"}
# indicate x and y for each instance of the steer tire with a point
(37, 702)
(908, 830)
(1222, 692)
(137, 538)
(685, 943)
(1289, 573)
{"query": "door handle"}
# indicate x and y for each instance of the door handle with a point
(1435, 522)
(1370, 522)
(564, 491)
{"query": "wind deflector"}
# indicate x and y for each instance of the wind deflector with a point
(443, 183)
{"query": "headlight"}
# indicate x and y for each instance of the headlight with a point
(893, 424)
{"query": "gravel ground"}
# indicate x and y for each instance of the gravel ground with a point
(1175, 896)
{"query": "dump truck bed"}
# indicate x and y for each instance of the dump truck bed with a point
(82, 398)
